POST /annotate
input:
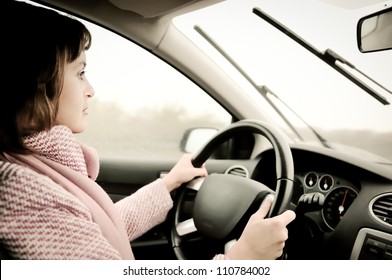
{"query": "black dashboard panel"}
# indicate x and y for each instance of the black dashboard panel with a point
(347, 186)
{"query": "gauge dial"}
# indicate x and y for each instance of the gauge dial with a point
(326, 182)
(336, 204)
(311, 179)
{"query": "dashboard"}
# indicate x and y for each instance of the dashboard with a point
(339, 218)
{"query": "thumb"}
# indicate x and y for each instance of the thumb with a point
(264, 207)
(287, 217)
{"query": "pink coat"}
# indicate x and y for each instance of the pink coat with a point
(51, 207)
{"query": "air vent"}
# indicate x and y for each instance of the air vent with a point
(382, 208)
(238, 170)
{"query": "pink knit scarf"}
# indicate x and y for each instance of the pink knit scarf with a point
(88, 192)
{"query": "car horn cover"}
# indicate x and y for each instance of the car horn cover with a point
(223, 201)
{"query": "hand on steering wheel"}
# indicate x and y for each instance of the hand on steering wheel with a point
(263, 238)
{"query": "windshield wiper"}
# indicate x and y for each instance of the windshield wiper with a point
(263, 90)
(329, 57)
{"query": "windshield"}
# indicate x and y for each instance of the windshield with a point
(301, 86)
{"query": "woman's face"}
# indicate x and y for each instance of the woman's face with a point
(73, 106)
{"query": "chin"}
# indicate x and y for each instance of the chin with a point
(78, 128)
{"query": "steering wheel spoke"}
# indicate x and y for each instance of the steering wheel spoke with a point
(195, 184)
(186, 227)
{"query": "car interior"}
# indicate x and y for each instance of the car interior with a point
(342, 197)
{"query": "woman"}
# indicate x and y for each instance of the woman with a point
(51, 207)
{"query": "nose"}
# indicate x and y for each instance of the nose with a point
(90, 92)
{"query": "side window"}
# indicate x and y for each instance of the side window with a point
(142, 106)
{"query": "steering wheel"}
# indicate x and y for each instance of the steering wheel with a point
(223, 202)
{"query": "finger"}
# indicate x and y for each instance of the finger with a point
(199, 172)
(203, 171)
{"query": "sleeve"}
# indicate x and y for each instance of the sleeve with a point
(40, 220)
(145, 209)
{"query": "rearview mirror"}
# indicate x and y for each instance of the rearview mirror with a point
(374, 32)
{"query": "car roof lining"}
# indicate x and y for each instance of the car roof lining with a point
(151, 8)
(144, 24)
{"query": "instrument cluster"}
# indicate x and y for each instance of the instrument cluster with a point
(339, 194)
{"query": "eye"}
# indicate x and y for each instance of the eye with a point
(81, 74)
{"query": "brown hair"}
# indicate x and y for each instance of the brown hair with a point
(39, 43)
